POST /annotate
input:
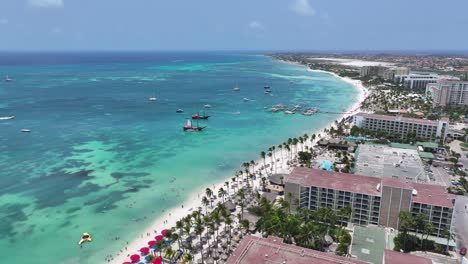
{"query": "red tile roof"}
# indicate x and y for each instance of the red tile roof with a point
(432, 194)
(394, 257)
(397, 183)
(400, 119)
(334, 180)
(426, 193)
(255, 250)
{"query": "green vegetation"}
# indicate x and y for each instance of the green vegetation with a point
(305, 228)
(409, 242)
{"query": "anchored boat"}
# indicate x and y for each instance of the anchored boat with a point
(189, 128)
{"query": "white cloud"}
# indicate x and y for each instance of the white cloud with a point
(46, 3)
(56, 30)
(3, 21)
(256, 25)
(302, 7)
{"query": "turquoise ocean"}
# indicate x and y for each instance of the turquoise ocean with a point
(101, 158)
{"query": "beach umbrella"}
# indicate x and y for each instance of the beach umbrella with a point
(158, 238)
(167, 242)
(224, 257)
(147, 258)
(141, 263)
(144, 250)
(209, 261)
(134, 258)
(157, 260)
(126, 262)
(163, 232)
(151, 243)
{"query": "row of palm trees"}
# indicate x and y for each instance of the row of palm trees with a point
(291, 145)
(199, 224)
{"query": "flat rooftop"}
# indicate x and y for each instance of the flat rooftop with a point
(394, 257)
(272, 250)
(334, 180)
(422, 193)
(368, 244)
(386, 161)
(400, 119)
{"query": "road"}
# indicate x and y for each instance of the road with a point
(460, 221)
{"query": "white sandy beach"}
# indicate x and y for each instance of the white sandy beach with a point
(170, 217)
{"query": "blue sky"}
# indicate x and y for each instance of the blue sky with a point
(233, 25)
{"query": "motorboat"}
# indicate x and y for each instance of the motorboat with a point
(207, 106)
(24, 130)
(236, 89)
(179, 110)
(266, 87)
(189, 128)
(289, 112)
(7, 117)
(310, 111)
(152, 98)
(246, 99)
(85, 238)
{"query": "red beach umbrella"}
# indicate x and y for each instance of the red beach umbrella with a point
(134, 258)
(163, 232)
(151, 243)
(157, 260)
(126, 262)
(144, 250)
(158, 238)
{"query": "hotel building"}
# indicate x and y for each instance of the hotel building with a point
(424, 129)
(376, 201)
(417, 80)
(448, 93)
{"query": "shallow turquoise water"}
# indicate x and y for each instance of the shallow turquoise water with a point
(102, 159)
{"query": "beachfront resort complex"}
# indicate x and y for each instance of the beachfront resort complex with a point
(233, 132)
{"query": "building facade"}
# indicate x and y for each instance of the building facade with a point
(448, 93)
(424, 129)
(416, 80)
(372, 200)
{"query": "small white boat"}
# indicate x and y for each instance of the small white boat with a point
(179, 110)
(236, 113)
(246, 99)
(8, 79)
(7, 117)
(207, 106)
(289, 112)
(236, 89)
(24, 130)
(152, 98)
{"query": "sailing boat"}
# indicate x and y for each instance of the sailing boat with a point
(198, 116)
(153, 98)
(189, 128)
(8, 79)
(236, 88)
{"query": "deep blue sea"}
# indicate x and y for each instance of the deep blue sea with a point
(102, 158)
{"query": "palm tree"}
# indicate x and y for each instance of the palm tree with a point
(301, 141)
(199, 228)
(227, 186)
(263, 155)
(280, 147)
(244, 223)
(209, 193)
(252, 163)
(222, 193)
(241, 195)
(205, 203)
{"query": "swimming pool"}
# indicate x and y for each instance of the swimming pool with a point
(326, 164)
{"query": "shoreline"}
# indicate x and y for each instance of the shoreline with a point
(171, 216)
